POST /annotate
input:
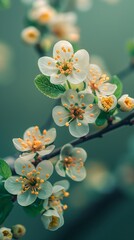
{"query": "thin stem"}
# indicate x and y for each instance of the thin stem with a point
(68, 84)
(125, 72)
(128, 121)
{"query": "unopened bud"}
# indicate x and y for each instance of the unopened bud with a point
(7, 234)
(18, 231)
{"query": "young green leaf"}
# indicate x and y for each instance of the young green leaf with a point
(5, 170)
(118, 92)
(44, 85)
(100, 121)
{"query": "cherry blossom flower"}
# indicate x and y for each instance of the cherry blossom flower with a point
(30, 35)
(35, 143)
(76, 112)
(72, 163)
(107, 103)
(5, 234)
(126, 103)
(97, 82)
(31, 183)
(52, 220)
(65, 64)
(53, 216)
(41, 12)
(63, 26)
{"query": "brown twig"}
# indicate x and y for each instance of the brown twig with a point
(128, 121)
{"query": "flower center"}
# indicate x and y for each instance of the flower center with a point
(55, 200)
(69, 161)
(32, 142)
(7, 233)
(76, 112)
(32, 35)
(97, 81)
(32, 181)
(129, 103)
(45, 17)
(65, 67)
(107, 102)
(54, 222)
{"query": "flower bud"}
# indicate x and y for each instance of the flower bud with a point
(30, 35)
(18, 231)
(7, 234)
(126, 103)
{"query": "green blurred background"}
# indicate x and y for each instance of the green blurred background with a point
(105, 30)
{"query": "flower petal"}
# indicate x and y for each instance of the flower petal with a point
(45, 203)
(27, 156)
(26, 198)
(81, 59)
(60, 115)
(19, 145)
(64, 183)
(66, 151)
(91, 113)
(49, 136)
(107, 88)
(32, 131)
(86, 98)
(22, 167)
(57, 189)
(47, 66)
(77, 173)
(46, 151)
(78, 131)
(46, 169)
(59, 167)
(12, 186)
(69, 97)
(77, 76)
(58, 78)
(63, 49)
(80, 154)
(95, 72)
(46, 190)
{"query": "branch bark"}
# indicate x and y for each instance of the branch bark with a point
(127, 121)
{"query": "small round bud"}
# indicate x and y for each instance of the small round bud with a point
(18, 231)
(7, 234)
(30, 35)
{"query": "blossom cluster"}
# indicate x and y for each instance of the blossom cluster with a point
(46, 25)
(30, 183)
(88, 97)
(89, 94)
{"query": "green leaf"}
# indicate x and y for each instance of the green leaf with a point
(6, 203)
(5, 170)
(118, 92)
(6, 206)
(44, 85)
(34, 209)
(102, 118)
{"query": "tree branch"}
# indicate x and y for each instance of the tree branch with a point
(125, 72)
(128, 121)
